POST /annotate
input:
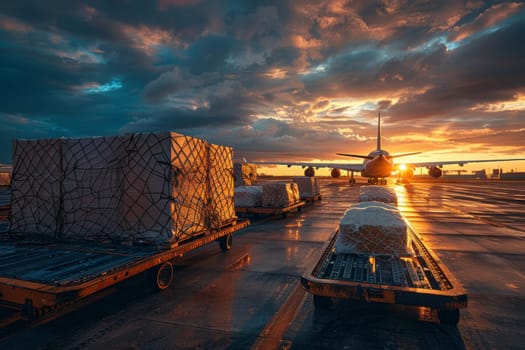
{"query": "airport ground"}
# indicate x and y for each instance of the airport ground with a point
(251, 296)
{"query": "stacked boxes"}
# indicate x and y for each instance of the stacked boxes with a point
(280, 194)
(372, 228)
(308, 186)
(161, 187)
(377, 193)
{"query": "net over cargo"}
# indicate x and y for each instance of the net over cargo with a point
(373, 228)
(160, 187)
(308, 186)
(377, 193)
(279, 194)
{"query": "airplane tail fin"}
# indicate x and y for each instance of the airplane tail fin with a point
(379, 131)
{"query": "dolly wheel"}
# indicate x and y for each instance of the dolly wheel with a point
(322, 302)
(450, 317)
(163, 275)
(226, 242)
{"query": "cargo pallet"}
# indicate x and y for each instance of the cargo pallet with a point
(312, 199)
(283, 211)
(420, 280)
(37, 278)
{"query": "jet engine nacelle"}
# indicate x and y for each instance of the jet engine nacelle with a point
(310, 172)
(335, 172)
(435, 172)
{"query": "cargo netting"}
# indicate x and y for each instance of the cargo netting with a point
(158, 187)
(374, 229)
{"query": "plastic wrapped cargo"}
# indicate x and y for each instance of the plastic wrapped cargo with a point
(280, 194)
(372, 230)
(248, 196)
(308, 186)
(161, 187)
(377, 193)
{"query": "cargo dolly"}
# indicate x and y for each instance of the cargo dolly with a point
(283, 211)
(37, 278)
(311, 199)
(420, 280)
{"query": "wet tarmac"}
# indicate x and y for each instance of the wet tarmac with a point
(251, 296)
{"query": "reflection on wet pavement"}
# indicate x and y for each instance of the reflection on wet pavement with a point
(251, 297)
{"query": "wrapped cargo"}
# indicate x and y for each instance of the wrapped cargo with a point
(280, 194)
(244, 174)
(377, 193)
(372, 230)
(165, 187)
(248, 196)
(308, 186)
(92, 169)
(36, 189)
(161, 187)
(384, 205)
(221, 186)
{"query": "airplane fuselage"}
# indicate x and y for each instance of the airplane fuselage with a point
(378, 165)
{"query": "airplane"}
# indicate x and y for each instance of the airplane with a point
(379, 164)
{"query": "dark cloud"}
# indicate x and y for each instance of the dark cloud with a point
(301, 79)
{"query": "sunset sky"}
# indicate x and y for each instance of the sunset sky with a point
(276, 80)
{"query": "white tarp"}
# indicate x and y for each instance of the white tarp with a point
(248, 196)
(377, 193)
(373, 228)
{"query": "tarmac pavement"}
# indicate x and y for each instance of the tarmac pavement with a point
(251, 296)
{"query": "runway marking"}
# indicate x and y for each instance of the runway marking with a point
(271, 336)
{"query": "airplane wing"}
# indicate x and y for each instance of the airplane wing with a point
(342, 166)
(458, 162)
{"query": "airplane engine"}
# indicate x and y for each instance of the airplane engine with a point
(407, 173)
(435, 172)
(335, 172)
(310, 172)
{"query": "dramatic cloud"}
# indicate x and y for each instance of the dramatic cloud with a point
(298, 80)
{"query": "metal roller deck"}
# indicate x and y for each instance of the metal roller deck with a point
(39, 277)
(418, 280)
